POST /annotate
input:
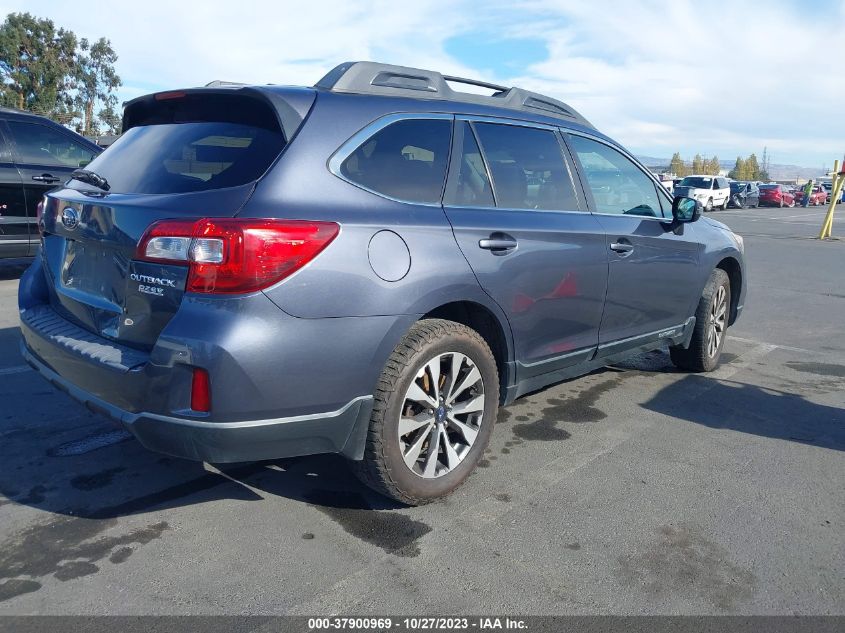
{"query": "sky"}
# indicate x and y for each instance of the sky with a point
(723, 78)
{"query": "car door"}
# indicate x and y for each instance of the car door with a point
(752, 195)
(45, 156)
(521, 221)
(652, 280)
(14, 223)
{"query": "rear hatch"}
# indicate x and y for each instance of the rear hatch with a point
(182, 155)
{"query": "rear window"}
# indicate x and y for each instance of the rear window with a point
(769, 186)
(406, 160)
(192, 144)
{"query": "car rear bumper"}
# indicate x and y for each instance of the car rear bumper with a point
(340, 431)
(281, 386)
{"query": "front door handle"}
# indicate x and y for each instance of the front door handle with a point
(498, 243)
(621, 247)
(46, 178)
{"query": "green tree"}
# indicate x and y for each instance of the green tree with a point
(713, 166)
(698, 165)
(677, 165)
(96, 82)
(738, 172)
(752, 168)
(36, 65)
(45, 70)
(110, 119)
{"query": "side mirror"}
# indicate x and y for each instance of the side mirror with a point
(685, 210)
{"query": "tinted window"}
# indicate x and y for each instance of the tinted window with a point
(527, 167)
(471, 186)
(406, 160)
(38, 144)
(184, 157)
(192, 142)
(618, 185)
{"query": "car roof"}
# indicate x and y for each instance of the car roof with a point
(13, 113)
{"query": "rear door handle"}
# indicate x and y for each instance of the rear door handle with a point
(621, 247)
(498, 243)
(46, 178)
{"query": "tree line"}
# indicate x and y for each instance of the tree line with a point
(744, 169)
(699, 165)
(49, 71)
(749, 169)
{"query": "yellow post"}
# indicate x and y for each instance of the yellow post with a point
(835, 193)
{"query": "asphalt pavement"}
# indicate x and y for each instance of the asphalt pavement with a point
(637, 489)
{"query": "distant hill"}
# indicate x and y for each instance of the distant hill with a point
(777, 171)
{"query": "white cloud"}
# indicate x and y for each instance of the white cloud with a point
(717, 77)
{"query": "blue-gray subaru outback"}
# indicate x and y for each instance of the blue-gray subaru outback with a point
(370, 267)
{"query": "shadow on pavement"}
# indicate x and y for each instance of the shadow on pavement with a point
(60, 458)
(752, 409)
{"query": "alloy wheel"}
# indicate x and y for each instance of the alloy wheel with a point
(441, 415)
(717, 321)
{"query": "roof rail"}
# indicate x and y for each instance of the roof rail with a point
(400, 81)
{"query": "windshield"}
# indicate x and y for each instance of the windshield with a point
(698, 182)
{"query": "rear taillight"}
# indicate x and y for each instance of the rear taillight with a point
(235, 255)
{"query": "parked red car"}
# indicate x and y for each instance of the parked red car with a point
(776, 195)
(817, 197)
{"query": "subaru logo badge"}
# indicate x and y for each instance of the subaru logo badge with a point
(70, 218)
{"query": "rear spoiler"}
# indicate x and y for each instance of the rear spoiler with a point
(289, 104)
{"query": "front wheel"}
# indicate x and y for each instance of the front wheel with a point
(433, 414)
(711, 325)
(709, 205)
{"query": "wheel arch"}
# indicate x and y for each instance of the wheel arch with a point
(732, 268)
(492, 327)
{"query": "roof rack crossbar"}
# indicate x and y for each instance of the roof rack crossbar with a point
(476, 82)
(401, 81)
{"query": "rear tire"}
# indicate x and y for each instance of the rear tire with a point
(711, 327)
(725, 204)
(437, 369)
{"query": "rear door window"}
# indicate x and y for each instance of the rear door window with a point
(38, 144)
(527, 167)
(406, 160)
(469, 184)
(195, 143)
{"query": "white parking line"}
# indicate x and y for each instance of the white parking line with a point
(15, 370)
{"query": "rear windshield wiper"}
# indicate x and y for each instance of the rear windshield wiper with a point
(83, 175)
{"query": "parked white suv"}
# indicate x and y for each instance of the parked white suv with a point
(710, 191)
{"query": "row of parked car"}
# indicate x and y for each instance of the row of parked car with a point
(719, 192)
